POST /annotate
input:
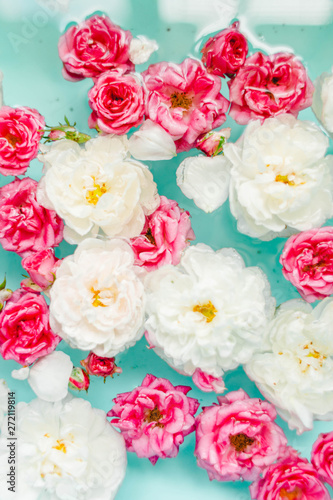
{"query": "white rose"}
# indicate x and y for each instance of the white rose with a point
(209, 312)
(97, 300)
(322, 103)
(96, 186)
(151, 142)
(49, 376)
(280, 180)
(141, 48)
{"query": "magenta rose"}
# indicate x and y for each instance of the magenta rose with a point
(21, 129)
(117, 103)
(25, 333)
(208, 383)
(166, 233)
(100, 366)
(154, 417)
(269, 86)
(93, 47)
(41, 267)
(26, 226)
(184, 99)
(238, 438)
(322, 457)
(225, 53)
(292, 478)
(307, 262)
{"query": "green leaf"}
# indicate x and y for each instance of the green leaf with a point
(3, 284)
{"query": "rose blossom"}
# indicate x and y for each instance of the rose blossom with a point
(41, 267)
(268, 86)
(154, 418)
(322, 457)
(94, 46)
(117, 102)
(100, 366)
(322, 104)
(292, 478)
(225, 53)
(166, 233)
(307, 262)
(208, 383)
(238, 438)
(26, 226)
(79, 380)
(21, 129)
(25, 333)
(184, 99)
(212, 143)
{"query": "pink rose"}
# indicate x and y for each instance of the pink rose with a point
(269, 86)
(154, 418)
(208, 383)
(21, 129)
(225, 53)
(322, 457)
(79, 380)
(41, 267)
(26, 226)
(165, 235)
(184, 99)
(25, 333)
(93, 47)
(238, 438)
(212, 143)
(292, 478)
(117, 103)
(307, 262)
(100, 366)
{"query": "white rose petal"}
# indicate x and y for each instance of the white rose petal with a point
(205, 180)
(151, 142)
(21, 374)
(322, 103)
(141, 48)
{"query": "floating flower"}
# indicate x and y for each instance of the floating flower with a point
(41, 267)
(154, 418)
(97, 186)
(166, 234)
(212, 143)
(294, 369)
(307, 262)
(93, 47)
(322, 104)
(67, 449)
(281, 183)
(194, 321)
(292, 478)
(117, 102)
(79, 379)
(25, 333)
(151, 142)
(208, 383)
(322, 457)
(25, 225)
(141, 48)
(184, 99)
(100, 366)
(268, 86)
(238, 438)
(98, 300)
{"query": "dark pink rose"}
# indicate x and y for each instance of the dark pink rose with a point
(184, 99)
(21, 129)
(207, 382)
(292, 478)
(225, 53)
(166, 233)
(322, 457)
(41, 267)
(117, 103)
(269, 86)
(238, 438)
(26, 226)
(25, 333)
(307, 262)
(93, 47)
(154, 417)
(100, 366)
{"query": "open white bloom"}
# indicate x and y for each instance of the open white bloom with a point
(3, 400)
(205, 180)
(281, 183)
(49, 376)
(67, 450)
(98, 300)
(322, 103)
(294, 370)
(209, 312)
(96, 186)
(141, 48)
(151, 142)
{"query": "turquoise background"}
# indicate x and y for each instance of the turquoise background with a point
(29, 33)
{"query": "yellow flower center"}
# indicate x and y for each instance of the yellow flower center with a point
(96, 299)
(295, 494)
(154, 415)
(60, 446)
(284, 179)
(240, 441)
(180, 100)
(12, 139)
(207, 310)
(95, 193)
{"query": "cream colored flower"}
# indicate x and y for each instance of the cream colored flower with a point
(322, 103)
(141, 48)
(49, 376)
(151, 142)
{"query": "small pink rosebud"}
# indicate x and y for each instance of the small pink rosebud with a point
(102, 367)
(79, 379)
(56, 134)
(212, 143)
(41, 267)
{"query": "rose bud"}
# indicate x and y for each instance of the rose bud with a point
(79, 379)
(102, 367)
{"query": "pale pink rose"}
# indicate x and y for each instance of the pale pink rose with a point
(154, 418)
(322, 457)
(117, 103)
(212, 143)
(184, 99)
(225, 53)
(307, 262)
(269, 86)
(79, 380)
(25, 333)
(93, 47)
(100, 366)
(238, 438)
(166, 233)
(21, 129)
(292, 478)
(41, 267)
(26, 226)
(208, 383)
